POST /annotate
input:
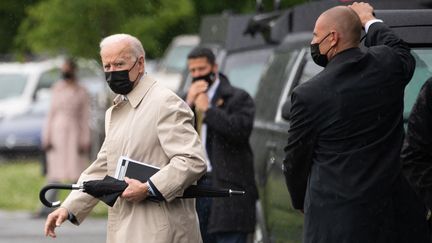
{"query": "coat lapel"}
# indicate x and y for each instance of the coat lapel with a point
(223, 92)
(138, 93)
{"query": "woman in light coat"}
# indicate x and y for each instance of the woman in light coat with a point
(66, 135)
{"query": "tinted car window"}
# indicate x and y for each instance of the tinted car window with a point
(48, 78)
(422, 73)
(273, 79)
(12, 85)
(305, 70)
(310, 69)
(244, 69)
(176, 58)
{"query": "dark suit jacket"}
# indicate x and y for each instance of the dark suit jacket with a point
(342, 161)
(229, 125)
(417, 149)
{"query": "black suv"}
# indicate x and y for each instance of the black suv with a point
(240, 46)
(289, 66)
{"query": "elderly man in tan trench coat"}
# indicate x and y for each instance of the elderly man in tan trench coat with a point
(146, 123)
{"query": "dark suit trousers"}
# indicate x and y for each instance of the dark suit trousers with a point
(203, 206)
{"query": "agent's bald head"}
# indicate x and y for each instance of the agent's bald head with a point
(345, 22)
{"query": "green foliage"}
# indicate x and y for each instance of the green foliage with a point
(11, 15)
(243, 6)
(76, 27)
(162, 22)
(20, 184)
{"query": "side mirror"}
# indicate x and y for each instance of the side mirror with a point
(286, 109)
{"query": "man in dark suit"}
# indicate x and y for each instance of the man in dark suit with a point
(224, 119)
(417, 150)
(342, 163)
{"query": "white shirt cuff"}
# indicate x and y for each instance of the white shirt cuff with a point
(370, 22)
(152, 193)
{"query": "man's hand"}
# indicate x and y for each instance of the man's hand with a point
(195, 89)
(363, 10)
(136, 190)
(202, 102)
(55, 219)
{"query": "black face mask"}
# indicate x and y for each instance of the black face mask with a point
(319, 59)
(209, 78)
(68, 75)
(119, 82)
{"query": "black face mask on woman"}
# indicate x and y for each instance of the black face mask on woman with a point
(119, 82)
(318, 58)
(68, 75)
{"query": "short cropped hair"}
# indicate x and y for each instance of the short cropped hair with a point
(135, 44)
(199, 52)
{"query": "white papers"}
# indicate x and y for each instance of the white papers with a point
(134, 169)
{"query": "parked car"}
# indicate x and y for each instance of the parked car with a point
(290, 65)
(170, 68)
(25, 99)
(21, 134)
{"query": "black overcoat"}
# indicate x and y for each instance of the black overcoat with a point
(417, 149)
(342, 162)
(229, 125)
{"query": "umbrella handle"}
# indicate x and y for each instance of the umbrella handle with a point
(43, 191)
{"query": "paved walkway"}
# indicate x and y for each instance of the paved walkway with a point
(19, 227)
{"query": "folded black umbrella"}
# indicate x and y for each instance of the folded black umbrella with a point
(109, 189)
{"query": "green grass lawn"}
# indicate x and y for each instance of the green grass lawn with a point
(20, 183)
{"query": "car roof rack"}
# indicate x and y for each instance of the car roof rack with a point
(244, 31)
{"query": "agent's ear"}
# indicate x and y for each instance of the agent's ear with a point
(334, 38)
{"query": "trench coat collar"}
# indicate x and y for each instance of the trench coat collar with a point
(138, 93)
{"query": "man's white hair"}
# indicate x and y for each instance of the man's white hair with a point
(135, 44)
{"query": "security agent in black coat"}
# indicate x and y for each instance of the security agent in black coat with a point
(417, 149)
(342, 164)
(229, 120)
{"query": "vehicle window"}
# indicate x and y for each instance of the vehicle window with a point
(244, 69)
(48, 78)
(273, 79)
(12, 85)
(310, 69)
(175, 60)
(84, 73)
(422, 73)
(300, 73)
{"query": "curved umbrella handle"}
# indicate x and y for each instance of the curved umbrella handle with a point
(43, 191)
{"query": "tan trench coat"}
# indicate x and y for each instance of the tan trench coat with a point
(154, 126)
